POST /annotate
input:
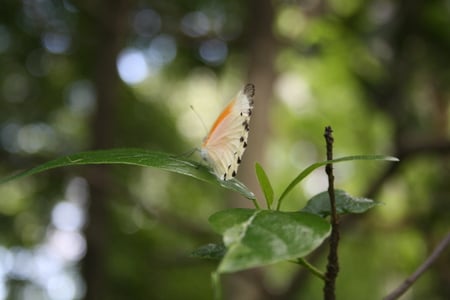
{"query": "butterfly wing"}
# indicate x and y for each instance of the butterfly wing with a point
(225, 143)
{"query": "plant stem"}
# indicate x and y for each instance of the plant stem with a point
(217, 287)
(255, 203)
(311, 268)
(426, 264)
(333, 263)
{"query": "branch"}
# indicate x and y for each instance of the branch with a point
(426, 264)
(333, 263)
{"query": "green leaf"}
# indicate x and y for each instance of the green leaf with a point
(143, 158)
(210, 251)
(265, 184)
(261, 237)
(345, 204)
(314, 166)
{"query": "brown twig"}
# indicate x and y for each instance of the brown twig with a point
(333, 263)
(400, 290)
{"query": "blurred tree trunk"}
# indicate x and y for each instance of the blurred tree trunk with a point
(262, 48)
(107, 34)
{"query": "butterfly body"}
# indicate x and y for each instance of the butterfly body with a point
(226, 141)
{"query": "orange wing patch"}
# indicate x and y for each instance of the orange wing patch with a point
(219, 120)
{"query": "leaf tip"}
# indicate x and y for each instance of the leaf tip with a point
(393, 158)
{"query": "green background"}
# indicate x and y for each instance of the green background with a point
(376, 71)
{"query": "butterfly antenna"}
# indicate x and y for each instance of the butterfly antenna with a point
(200, 118)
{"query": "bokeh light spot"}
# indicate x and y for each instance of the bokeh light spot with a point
(81, 97)
(56, 42)
(68, 245)
(61, 287)
(67, 216)
(195, 24)
(132, 66)
(213, 51)
(162, 50)
(36, 137)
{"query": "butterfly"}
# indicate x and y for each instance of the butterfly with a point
(226, 141)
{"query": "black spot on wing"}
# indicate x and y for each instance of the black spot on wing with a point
(249, 90)
(245, 124)
(233, 174)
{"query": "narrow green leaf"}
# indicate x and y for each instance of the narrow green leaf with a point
(210, 251)
(265, 184)
(139, 157)
(345, 204)
(314, 166)
(260, 237)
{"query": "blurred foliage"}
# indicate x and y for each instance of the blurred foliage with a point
(377, 71)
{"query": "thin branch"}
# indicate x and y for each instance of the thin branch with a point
(426, 264)
(333, 263)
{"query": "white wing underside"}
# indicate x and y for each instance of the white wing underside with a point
(226, 144)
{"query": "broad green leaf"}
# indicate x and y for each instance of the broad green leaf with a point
(345, 204)
(265, 184)
(314, 166)
(260, 237)
(139, 157)
(210, 251)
